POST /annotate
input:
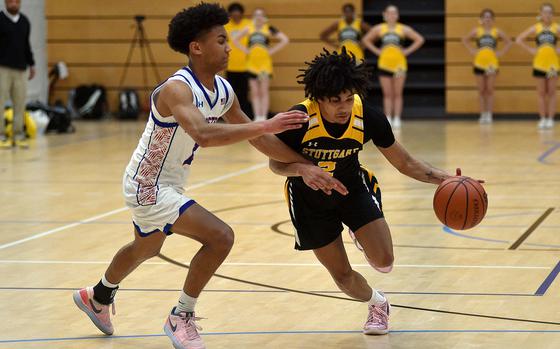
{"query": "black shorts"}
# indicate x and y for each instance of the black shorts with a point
(540, 74)
(383, 72)
(478, 71)
(255, 76)
(318, 217)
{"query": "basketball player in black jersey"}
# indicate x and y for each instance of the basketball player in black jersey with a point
(340, 123)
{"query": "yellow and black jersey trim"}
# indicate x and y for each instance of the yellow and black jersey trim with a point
(316, 128)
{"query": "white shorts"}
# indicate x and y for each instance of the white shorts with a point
(154, 209)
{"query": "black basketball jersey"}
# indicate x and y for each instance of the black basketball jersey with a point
(335, 147)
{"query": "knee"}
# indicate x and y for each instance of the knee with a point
(489, 93)
(385, 262)
(222, 239)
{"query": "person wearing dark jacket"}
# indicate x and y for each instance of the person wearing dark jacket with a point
(15, 58)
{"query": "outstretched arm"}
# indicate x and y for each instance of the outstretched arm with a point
(414, 168)
(267, 144)
(286, 158)
(176, 99)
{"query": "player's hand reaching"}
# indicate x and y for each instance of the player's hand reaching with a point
(317, 179)
(285, 121)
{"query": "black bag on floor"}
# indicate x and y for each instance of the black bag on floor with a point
(90, 101)
(129, 104)
(60, 120)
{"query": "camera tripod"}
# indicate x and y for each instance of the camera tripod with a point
(141, 39)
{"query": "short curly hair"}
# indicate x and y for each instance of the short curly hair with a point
(331, 73)
(189, 24)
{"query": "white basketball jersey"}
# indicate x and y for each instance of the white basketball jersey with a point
(165, 151)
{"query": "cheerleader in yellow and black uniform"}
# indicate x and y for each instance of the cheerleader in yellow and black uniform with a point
(349, 30)
(545, 63)
(259, 61)
(486, 60)
(391, 60)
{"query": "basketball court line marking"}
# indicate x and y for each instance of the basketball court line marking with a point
(255, 264)
(548, 281)
(110, 213)
(531, 229)
(452, 232)
(6, 288)
(555, 146)
(432, 310)
(302, 332)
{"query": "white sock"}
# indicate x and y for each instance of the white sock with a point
(377, 298)
(186, 303)
(397, 116)
(107, 283)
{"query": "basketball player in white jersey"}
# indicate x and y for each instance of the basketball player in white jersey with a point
(184, 111)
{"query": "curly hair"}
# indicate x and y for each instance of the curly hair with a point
(189, 24)
(331, 73)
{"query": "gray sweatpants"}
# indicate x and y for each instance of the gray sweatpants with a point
(13, 85)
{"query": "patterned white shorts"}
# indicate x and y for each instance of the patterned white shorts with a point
(157, 213)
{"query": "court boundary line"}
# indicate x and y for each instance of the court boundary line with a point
(248, 333)
(110, 213)
(19, 288)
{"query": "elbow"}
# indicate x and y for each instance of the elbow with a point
(273, 166)
(518, 41)
(421, 41)
(202, 140)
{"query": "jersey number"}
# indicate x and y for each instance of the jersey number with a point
(327, 166)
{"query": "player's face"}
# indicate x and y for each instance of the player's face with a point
(391, 15)
(337, 109)
(215, 49)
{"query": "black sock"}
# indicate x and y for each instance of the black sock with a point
(103, 294)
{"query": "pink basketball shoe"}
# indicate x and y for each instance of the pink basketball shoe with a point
(183, 331)
(97, 312)
(378, 319)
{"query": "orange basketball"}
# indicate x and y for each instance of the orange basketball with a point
(460, 202)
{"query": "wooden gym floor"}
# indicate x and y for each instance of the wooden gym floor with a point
(494, 286)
